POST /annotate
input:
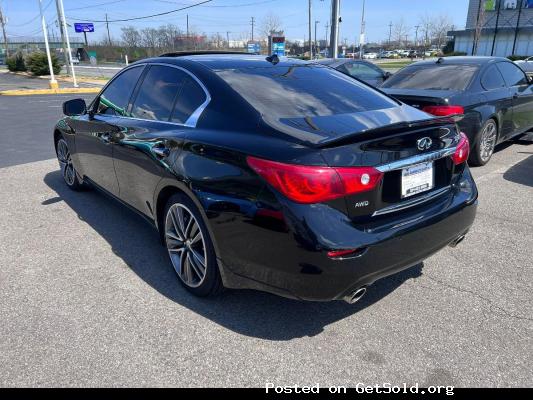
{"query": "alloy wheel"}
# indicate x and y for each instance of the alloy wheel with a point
(488, 141)
(186, 245)
(65, 162)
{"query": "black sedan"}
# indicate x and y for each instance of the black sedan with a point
(495, 96)
(362, 70)
(271, 174)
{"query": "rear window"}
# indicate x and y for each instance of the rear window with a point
(433, 77)
(303, 91)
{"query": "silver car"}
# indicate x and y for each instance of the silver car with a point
(526, 65)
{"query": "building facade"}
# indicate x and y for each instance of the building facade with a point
(503, 28)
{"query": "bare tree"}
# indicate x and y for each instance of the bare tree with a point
(131, 37)
(426, 22)
(150, 38)
(480, 22)
(400, 31)
(270, 23)
(440, 27)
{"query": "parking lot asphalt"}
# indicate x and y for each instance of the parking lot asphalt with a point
(88, 297)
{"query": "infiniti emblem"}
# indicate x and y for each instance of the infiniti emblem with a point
(424, 143)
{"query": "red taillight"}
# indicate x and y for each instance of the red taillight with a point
(463, 150)
(341, 253)
(308, 184)
(444, 111)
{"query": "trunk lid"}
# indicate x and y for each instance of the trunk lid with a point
(406, 154)
(421, 98)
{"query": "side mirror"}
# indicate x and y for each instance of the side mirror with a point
(386, 75)
(74, 107)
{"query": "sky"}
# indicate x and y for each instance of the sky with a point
(233, 16)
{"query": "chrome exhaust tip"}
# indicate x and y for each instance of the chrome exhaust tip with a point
(355, 296)
(457, 241)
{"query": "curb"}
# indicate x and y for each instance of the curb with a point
(31, 92)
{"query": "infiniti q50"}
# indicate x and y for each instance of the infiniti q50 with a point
(272, 174)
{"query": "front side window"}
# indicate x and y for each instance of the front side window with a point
(433, 77)
(303, 91)
(158, 92)
(115, 98)
(513, 75)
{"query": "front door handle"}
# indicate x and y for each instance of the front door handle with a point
(160, 151)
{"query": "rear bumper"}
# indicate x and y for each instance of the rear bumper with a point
(294, 263)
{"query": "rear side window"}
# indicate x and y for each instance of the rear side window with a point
(362, 71)
(303, 91)
(492, 79)
(158, 91)
(433, 77)
(115, 98)
(513, 75)
(190, 98)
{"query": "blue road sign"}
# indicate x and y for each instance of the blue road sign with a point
(254, 47)
(84, 27)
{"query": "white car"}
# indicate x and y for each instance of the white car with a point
(370, 56)
(526, 65)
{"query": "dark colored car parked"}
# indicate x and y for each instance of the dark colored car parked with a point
(495, 96)
(278, 175)
(362, 70)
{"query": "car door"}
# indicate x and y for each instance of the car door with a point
(499, 97)
(96, 132)
(163, 111)
(522, 97)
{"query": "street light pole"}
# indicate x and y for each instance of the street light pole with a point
(334, 41)
(310, 31)
(362, 37)
(316, 44)
(53, 82)
(64, 24)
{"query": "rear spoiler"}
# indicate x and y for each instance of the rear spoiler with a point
(387, 129)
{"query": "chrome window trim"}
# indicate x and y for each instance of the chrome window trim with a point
(191, 122)
(418, 159)
(413, 202)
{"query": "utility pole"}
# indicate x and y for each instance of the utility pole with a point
(362, 37)
(390, 32)
(53, 82)
(3, 22)
(327, 34)
(64, 24)
(63, 44)
(334, 40)
(108, 34)
(310, 31)
(416, 35)
(316, 43)
(227, 37)
(253, 26)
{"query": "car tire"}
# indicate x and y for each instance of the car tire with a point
(486, 142)
(190, 247)
(70, 176)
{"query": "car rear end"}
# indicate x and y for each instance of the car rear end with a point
(385, 188)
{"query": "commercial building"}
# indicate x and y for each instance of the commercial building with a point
(501, 27)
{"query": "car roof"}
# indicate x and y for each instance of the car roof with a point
(228, 61)
(477, 60)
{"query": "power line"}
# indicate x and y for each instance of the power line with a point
(146, 16)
